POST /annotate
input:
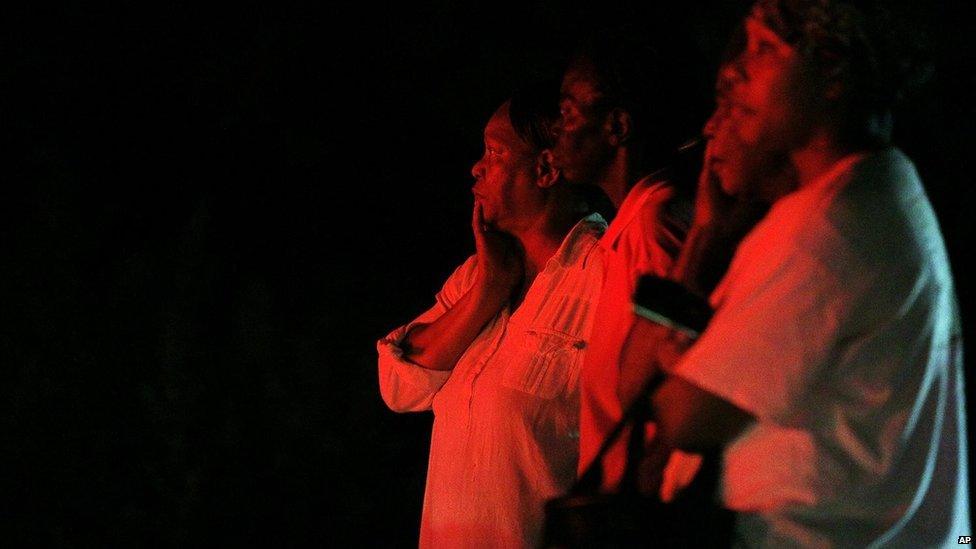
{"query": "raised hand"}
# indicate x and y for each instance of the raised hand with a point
(500, 268)
(714, 208)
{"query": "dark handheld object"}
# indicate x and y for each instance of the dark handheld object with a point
(668, 303)
(587, 518)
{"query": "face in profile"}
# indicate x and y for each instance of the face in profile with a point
(505, 182)
(733, 163)
(580, 146)
(766, 103)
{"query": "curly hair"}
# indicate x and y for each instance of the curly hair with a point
(878, 56)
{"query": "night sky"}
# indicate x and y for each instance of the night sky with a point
(212, 214)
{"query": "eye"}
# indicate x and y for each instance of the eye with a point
(764, 47)
(738, 109)
(564, 108)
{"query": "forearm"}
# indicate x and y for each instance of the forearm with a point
(439, 344)
(649, 350)
(688, 417)
(694, 420)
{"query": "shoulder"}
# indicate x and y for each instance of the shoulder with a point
(863, 241)
(589, 230)
(657, 221)
(652, 193)
(873, 215)
(581, 242)
(662, 207)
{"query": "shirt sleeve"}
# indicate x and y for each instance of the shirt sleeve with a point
(771, 337)
(404, 385)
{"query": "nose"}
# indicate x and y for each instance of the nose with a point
(477, 171)
(731, 74)
(711, 125)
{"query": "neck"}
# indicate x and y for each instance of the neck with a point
(540, 239)
(619, 177)
(817, 156)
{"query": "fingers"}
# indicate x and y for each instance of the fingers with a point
(708, 180)
(678, 474)
(478, 222)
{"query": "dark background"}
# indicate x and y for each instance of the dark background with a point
(214, 213)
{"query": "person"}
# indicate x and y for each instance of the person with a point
(497, 357)
(618, 125)
(830, 374)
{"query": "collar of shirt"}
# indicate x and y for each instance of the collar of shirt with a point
(568, 251)
(629, 208)
(831, 175)
(785, 210)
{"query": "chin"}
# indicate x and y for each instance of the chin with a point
(502, 223)
(745, 176)
(494, 222)
(732, 182)
(731, 187)
(488, 211)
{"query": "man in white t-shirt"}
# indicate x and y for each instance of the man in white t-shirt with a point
(831, 371)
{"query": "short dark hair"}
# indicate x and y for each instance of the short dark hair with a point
(880, 58)
(532, 111)
(634, 75)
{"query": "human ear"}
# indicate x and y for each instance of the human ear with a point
(546, 174)
(618, 126)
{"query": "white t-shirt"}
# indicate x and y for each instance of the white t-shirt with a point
(837, 328)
